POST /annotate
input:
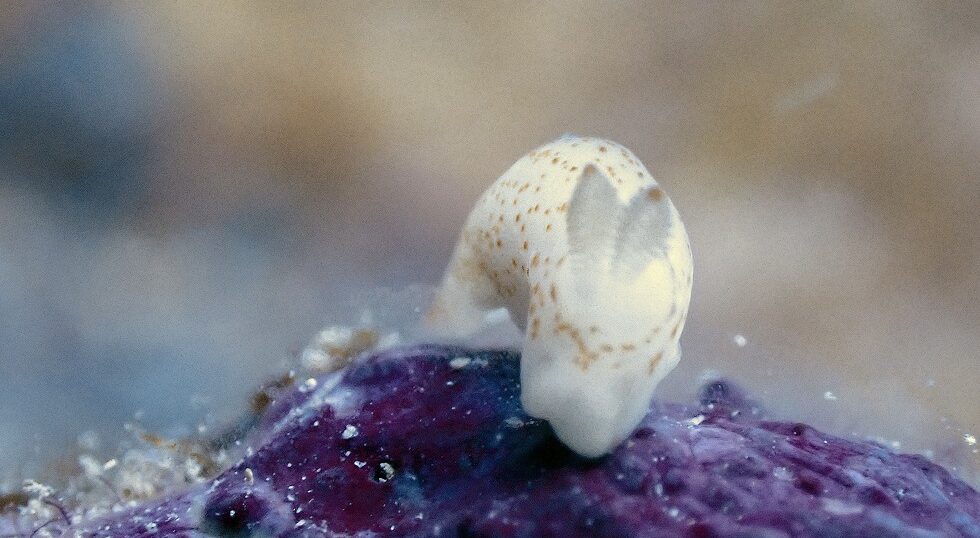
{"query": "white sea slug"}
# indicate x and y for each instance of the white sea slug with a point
(589, 256)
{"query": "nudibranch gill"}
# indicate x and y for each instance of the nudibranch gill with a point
(590, 258)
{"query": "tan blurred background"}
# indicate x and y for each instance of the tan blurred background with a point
(188, 191)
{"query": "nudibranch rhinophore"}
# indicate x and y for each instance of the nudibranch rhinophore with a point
(587, 253)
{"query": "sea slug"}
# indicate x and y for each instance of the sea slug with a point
(591, 260)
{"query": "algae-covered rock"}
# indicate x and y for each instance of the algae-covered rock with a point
(432, 441)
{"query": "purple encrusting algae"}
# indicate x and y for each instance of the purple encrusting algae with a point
(432, 441)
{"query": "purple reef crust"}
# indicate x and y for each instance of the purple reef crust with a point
(413, 443)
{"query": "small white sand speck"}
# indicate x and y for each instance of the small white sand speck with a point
(970, 439)
(740, 340)
(829, 396)
(696, 420)
(359, 464)
(388, 470)
(349, 432)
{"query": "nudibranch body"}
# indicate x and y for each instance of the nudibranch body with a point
(589, 256)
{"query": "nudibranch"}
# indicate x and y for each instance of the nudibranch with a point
(589, 256)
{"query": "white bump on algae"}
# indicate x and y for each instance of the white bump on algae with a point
(841, 508)
(589, 257)
(343, 401)
(459, 363)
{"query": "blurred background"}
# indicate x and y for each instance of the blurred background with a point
(189, 191)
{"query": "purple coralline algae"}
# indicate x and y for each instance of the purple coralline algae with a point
(432, 441)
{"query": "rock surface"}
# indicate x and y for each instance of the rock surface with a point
(432, 441)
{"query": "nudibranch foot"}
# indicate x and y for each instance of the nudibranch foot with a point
(588, 255)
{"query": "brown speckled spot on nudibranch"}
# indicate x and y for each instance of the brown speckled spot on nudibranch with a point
(654, 361)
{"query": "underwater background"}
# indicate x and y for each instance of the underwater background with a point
(189, 192)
